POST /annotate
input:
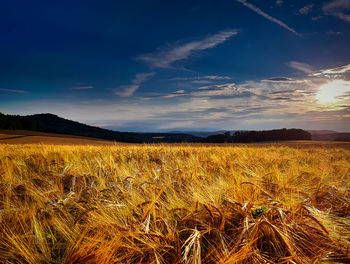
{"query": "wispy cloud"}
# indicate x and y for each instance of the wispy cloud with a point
(215, 77)
(316, 18)
(176, 94)
(82, 88)
(219, 90)
(300, 66)
(165, 57)
(202, 79)
(282, 80)
(338, 8)
(306, 9)
(279, 2)
(334, 33)
(342, 72)
(129, 90)
(267, 16)
(13, 91)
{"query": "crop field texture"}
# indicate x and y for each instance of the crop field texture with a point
(174, 204)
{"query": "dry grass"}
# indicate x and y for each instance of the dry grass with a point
(174, 204)
(35, 137)
(56, 141)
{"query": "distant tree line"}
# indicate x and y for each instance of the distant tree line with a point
(260, 136)
(16, 122)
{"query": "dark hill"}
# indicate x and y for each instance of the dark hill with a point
(54, 124)
(260, 136)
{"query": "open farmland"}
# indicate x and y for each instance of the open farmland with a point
(34, 137)
(175, 203)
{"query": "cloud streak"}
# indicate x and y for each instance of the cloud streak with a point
(13, 91)
(337, 70)
(166, 57)
(282, 80)
(267, 16)
(198, 79)
(300, 66)
(341, 72)
(129, 90)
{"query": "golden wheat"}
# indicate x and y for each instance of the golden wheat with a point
(174, 204)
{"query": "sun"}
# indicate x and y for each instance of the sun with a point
(330, 92)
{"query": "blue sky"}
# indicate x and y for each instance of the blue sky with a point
(178, 65)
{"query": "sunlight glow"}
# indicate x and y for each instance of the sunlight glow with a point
(330, 92)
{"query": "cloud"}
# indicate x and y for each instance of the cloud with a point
(129, 90)
(216, 90)
(227, 89)
(279, 102)
(300, 66)
(276, 88)
(338, 8)
(207, 77)
(306, 9)
(279, 2)
(317, 18)
(175, 94)
(277, 95)
(268, 17)
(217, 87)
(13, 91)
(341, 69)
(201, 82)
(165, 57)
(283, 80)
(334, 33)
(215, 77)
(342, 72)
(82, 88)
(268, 98)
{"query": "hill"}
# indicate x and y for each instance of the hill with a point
(51, 123)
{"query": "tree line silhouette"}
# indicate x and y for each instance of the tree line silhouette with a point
(260, 136)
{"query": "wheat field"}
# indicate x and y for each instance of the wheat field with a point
(174, 204)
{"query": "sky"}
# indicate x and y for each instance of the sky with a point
(158, 65)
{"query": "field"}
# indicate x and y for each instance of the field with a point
(34, 137)
(267, 203)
